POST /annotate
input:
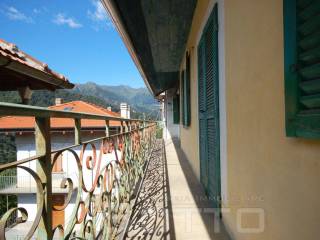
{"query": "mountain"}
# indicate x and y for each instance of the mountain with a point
(140, 100)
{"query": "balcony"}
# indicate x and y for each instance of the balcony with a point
(22, 183)
(130, 185)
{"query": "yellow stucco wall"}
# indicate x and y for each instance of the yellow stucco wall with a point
(284, 173)
(265, 169)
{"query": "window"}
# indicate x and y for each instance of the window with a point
(302, 68)
(176, 110)
(185, 87)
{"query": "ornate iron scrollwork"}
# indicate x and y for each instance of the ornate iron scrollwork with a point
(98, 208)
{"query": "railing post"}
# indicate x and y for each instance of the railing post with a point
(121, 128)
(129, 127)
(43, 147)
(77, 131)
(107, 128)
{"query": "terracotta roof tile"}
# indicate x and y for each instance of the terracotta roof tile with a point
(14, 122)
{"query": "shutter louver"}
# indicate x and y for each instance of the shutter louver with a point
(201, 82)
(308, 25)
(182, 96)
(185, 94)
(210, 71)
(202, 109)
(187, 116)
(302, 67)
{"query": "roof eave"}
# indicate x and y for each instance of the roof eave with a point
(35, 73)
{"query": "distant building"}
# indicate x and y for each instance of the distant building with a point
(125, 110)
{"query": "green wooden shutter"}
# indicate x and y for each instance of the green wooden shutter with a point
(302, 67)
(176, 110)
(182, 96)
(212, 98)
(202, 109)
(209, 139)
(186, 93)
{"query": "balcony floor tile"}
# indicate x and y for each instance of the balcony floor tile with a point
(171, 203)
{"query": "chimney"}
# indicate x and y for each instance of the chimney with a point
(128, 111)
(124, 110)
(58, 101)
(109, 108)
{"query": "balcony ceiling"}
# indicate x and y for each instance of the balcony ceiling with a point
(157, 32)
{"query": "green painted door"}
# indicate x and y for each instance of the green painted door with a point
(209, 109)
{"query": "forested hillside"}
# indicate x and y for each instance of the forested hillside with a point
(140, 99)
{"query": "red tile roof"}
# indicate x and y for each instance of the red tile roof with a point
(20, 123)
(11, 52)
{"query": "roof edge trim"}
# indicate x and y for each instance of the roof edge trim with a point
(35, 73)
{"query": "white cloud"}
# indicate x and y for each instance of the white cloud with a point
(61, 19)
(36, 11)
(40, 10)
(99, 15)
(14, 14)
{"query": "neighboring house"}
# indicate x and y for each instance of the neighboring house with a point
(244, 78)
(62, 135)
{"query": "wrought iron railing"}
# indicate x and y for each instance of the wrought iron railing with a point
(99, 206)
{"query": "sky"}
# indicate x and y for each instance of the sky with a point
(74, 37)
